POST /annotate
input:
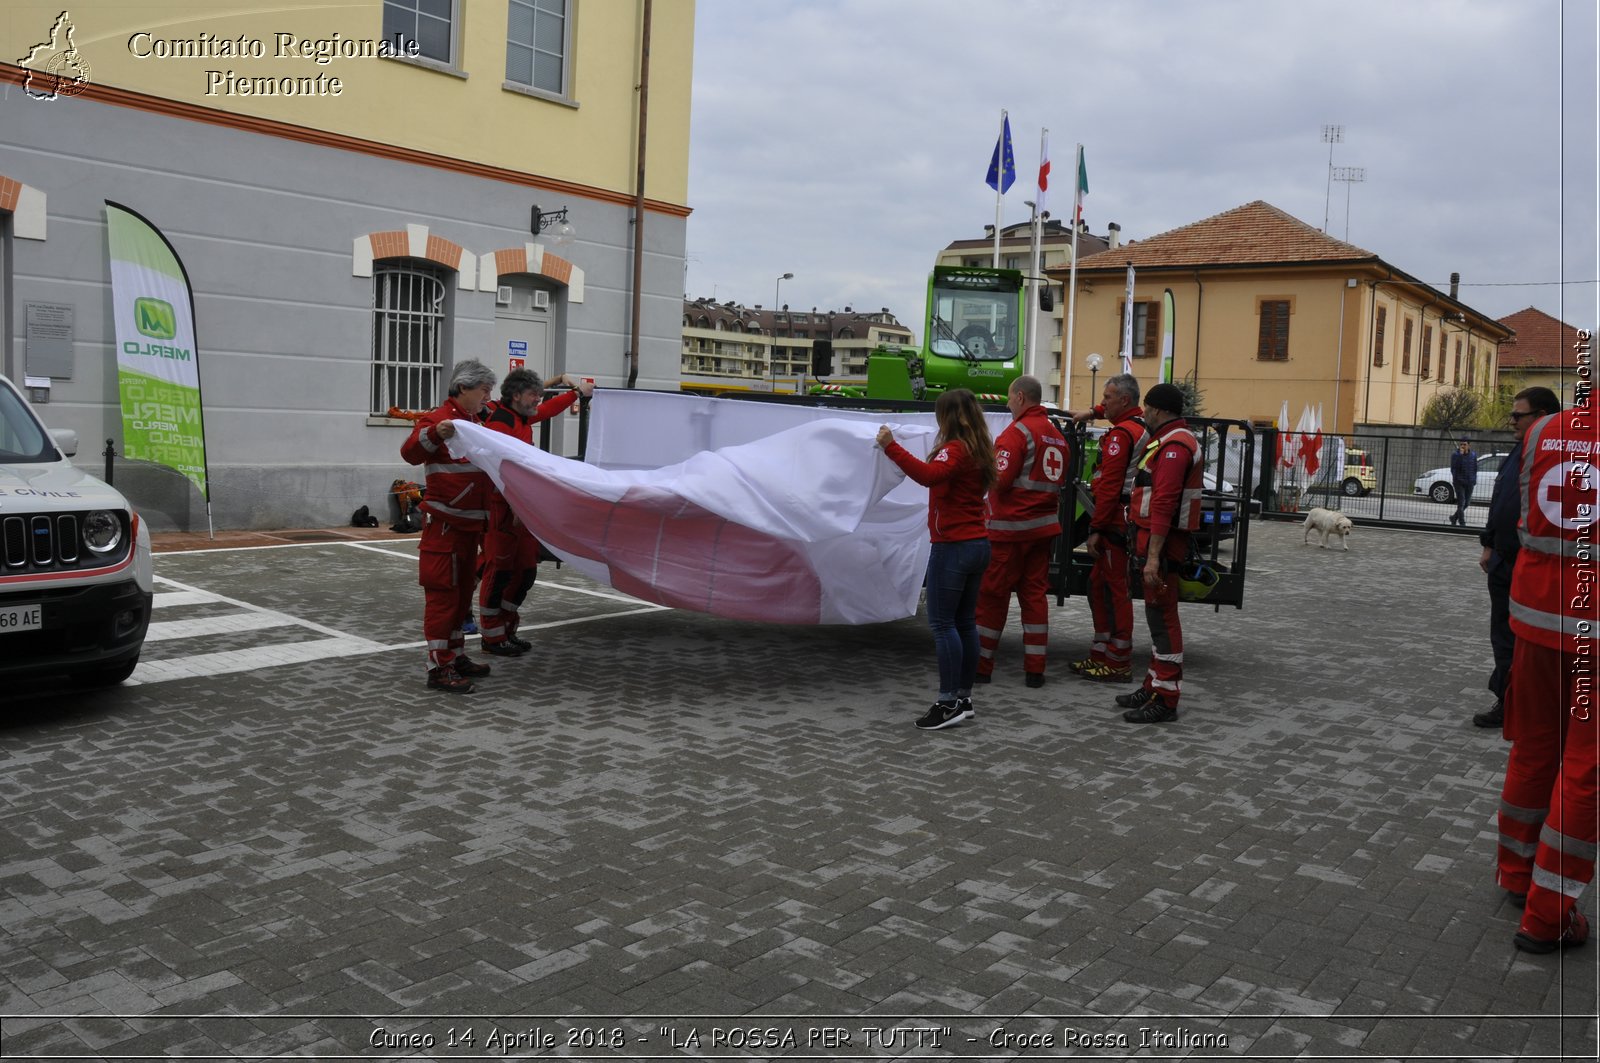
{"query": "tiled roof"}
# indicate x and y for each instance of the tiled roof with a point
(1255, 234)
(1541, 342)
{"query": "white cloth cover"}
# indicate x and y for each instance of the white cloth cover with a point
(747, 510)
(743, 509)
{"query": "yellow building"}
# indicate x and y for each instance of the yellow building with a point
(1269, 309)
(1545, 352)
(363, 194)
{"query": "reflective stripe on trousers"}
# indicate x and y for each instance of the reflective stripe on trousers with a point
(1554, 764)
(1023, 567)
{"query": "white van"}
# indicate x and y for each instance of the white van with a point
(75, 572)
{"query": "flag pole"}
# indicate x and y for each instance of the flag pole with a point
(1127, 323)
(999, 185)
(1072, 285)
(1035, 273)
(1032, 290)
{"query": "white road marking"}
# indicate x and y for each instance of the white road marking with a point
(167, 599)
(168, 630)
(330, 632)
(542, 583)
(201, 665)
(258, 618)
(408, 554)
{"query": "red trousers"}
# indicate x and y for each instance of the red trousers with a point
(1547, 806)
(447, 568)
(1023, 567)
(510, 566)
(1111, 606)
(1165, 675)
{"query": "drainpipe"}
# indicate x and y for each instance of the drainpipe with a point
(638, 197)
(1372, 337)
(1199, 305)
(1338, 359)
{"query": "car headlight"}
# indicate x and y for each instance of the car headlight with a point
(102, 531)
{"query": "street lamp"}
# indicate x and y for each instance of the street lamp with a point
(772, 360)
(1093, 362)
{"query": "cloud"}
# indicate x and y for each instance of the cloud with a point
(846, 140)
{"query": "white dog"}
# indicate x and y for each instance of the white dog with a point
(1327, 522)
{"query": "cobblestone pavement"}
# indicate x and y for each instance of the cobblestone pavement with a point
(661, 831)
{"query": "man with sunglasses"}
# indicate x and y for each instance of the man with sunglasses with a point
(1500, 545)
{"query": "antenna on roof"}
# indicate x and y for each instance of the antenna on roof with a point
(1331, 135)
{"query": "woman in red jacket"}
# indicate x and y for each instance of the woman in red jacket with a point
(958, 475)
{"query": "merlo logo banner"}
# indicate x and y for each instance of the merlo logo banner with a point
(158, 368)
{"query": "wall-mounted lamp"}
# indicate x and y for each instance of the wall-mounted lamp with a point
(542, 220)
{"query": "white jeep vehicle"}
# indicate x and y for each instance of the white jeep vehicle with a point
(75, 573)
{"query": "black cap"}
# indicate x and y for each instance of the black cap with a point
(1166, 397)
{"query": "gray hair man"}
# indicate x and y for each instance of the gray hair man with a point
(456, 505)
(1110, 657)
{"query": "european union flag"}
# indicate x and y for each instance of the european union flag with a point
(1003, 167)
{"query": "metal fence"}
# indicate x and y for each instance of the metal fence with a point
(1399, 477)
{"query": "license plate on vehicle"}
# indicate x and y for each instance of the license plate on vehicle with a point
(21, 617)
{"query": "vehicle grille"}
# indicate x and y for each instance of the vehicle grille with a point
(32, 543)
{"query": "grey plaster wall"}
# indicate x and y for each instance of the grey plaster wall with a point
(265, 228)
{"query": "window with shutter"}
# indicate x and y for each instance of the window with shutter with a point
(1377, 336)
(1405, 347)
(1146, 327)
(1427, 350)
(1458, 362)
(1272, 345)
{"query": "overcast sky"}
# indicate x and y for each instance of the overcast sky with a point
(846, 141)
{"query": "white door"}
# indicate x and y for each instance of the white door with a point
(522, 328)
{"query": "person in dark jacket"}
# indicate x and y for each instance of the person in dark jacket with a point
(1500, 545)
(1463, 478)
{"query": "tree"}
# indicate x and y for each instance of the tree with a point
(1191, 396)
(1451, 409)
(1495, 411)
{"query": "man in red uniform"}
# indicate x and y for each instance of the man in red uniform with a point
(456, 509)
(1024, 517)
(511, 553)
(1110, 657)
(1547, 806)
(1164, 508)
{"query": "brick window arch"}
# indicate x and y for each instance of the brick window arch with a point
(533, 259)
(414, 241)
(26, 205)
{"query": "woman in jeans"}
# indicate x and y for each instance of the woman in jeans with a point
(957, 475)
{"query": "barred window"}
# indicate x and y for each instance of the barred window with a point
(1377, 336)
(408, 320)
(537, 43)
(1273, 343)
